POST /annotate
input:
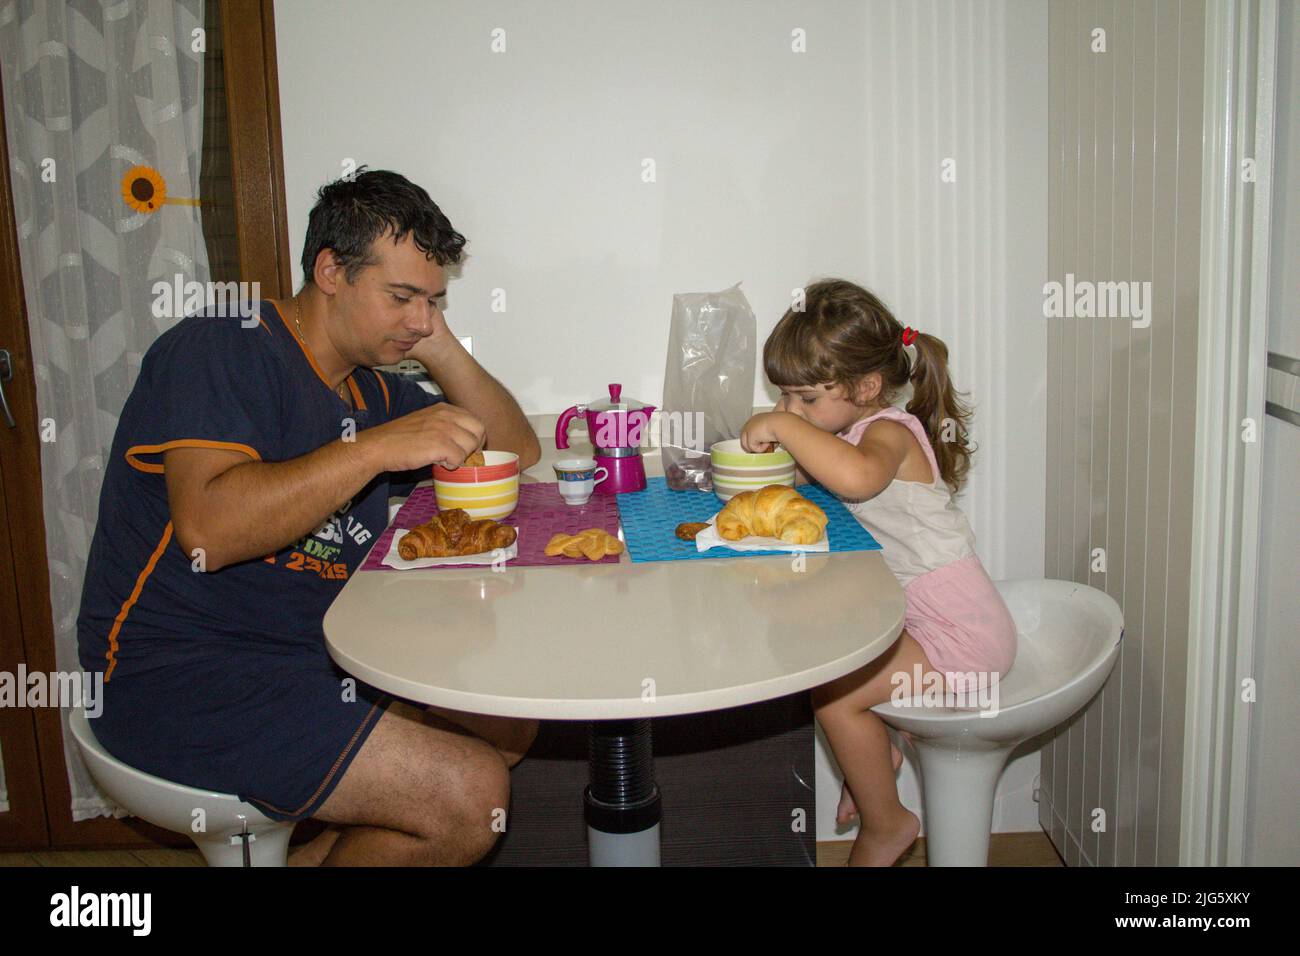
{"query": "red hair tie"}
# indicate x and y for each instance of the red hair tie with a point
(909, 335)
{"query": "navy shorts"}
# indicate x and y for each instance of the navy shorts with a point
(278, 729)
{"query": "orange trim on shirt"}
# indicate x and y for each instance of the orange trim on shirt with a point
(153, 468)
(130, 602)
(294, 335)
(333, 770)
(384, 387)
(358, 402)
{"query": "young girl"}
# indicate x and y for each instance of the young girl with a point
(839, 364)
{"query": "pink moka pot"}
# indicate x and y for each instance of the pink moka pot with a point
(616, 426)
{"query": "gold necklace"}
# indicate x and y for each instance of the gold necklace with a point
(297, 320)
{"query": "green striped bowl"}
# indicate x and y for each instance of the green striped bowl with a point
(736, 470)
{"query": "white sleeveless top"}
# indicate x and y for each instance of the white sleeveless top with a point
(918, 524)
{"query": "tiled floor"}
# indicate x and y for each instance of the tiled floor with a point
(83, 858)
(1005, 849)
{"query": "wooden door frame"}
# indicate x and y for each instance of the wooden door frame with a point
(252, 91)
(256, 148)
(24, 585)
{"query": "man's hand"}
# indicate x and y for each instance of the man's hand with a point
(428, 350)
(442, 434)
(467, 384)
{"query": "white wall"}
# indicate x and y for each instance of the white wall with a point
(1272, 835)
(772, 167)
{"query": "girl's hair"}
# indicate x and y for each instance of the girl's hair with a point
(843, 333)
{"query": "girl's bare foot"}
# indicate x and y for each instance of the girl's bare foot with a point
(883, 848)
(847, 811)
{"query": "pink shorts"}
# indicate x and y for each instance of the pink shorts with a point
(960, 620)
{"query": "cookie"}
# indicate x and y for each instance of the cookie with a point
(592, 544)
(689, 529)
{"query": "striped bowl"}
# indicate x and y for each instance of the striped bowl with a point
(490, 490)
(736, 470)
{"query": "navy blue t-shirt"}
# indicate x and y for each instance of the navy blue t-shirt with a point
(210, 381)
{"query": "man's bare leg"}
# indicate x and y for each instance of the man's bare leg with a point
(417, 794)
(511, 736)
(314, 851)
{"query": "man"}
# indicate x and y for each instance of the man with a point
(248, 478)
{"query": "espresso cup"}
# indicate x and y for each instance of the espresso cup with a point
(577, 478)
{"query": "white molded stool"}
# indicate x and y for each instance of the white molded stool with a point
(1069, 637)
(171, 806)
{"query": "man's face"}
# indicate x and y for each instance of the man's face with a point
(391, 306)
(825, 406)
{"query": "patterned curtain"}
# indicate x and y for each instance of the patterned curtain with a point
(94, 91)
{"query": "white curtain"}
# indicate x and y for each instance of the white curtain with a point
(91, 90)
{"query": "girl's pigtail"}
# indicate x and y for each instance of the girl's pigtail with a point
(945, 417)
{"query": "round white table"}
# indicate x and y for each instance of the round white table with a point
(618, 645)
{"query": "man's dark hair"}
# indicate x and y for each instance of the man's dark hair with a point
(351, 213)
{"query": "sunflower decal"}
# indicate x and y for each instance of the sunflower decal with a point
(144, 189)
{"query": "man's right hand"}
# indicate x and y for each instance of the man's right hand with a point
(442, 434)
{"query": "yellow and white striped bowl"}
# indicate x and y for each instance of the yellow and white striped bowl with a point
(480, 499)
(489, 490)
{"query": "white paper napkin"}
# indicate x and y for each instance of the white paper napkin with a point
(709, 538)
(393, 559)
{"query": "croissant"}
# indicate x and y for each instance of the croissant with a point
(453, 521)
(774, 511)
(452, 533)
(483, 535)
(424, 541)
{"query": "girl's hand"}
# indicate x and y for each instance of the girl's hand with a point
(758, 436)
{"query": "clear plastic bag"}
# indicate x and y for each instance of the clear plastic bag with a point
(708, 381)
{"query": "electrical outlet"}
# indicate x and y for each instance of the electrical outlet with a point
(412, 367)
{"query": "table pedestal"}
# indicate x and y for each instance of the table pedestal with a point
(621, 802)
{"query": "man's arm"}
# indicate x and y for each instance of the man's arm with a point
(468, 384)
(236, 509)
(233, 509)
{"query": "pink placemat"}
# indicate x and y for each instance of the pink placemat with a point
(540, 514)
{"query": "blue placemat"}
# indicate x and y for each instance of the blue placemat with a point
(649, 518)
